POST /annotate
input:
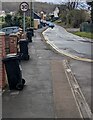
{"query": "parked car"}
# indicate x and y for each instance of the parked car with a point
(47, 23)
(50, 24)
(9, 30)
(43, 23)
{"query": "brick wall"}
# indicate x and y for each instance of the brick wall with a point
(13, 43)
(2, 55)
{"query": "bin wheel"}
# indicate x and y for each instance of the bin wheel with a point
(27, 57)
(19, 86)
(52, 27)
(23, 81)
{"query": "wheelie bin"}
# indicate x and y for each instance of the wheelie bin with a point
(29, 35)
(32, 30)
(23, 46)
(14, 72)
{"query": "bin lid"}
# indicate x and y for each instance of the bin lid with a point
(2, 33)
(13, 54)
(13, 35)
(18, 33)
(10, 57)
(30, 29)
(23, 41)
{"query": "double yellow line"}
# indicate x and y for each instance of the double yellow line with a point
(64, 53)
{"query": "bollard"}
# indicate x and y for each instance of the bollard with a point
(2, 55)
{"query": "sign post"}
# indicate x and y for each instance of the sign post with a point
(24, 22)
(24, 6)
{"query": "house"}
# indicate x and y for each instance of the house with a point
(37, 20)
(36, 16)
(56, 12)
(12, 13)
(2, 14)
(43, 15)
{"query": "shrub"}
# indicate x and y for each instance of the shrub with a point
(76, 17)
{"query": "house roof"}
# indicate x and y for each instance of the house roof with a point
(36, 16)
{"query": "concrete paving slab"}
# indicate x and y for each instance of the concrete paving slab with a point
(64, 102)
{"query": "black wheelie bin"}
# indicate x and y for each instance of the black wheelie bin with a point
(14, 72)
(31, 29)
(29, 35)
(23, 46)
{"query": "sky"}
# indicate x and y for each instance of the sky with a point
(60, 1)
(53, 1)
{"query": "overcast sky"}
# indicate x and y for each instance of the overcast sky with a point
(60, 1)
(53, 1)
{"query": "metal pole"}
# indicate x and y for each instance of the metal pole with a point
(24, 22)
(31, 13)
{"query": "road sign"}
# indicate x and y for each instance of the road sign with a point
(24, 6)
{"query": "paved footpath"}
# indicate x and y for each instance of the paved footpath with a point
(47, 93)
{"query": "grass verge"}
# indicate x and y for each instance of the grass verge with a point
(84, 34)
(78, 33)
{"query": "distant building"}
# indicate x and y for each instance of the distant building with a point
(2, 14)
(37, 20)
(43, 15)
(36, 16)
(56, 12)
(12, 13)
(51, 15)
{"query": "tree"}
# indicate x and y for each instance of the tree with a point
(3, 19)
(72, 5)
(76, 17)
(91, 5)
(17, 20)
(8, 20)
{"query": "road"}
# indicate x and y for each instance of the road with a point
(70, 43)
(74, 46)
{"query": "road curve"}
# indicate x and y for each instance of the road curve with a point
(68, 44)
